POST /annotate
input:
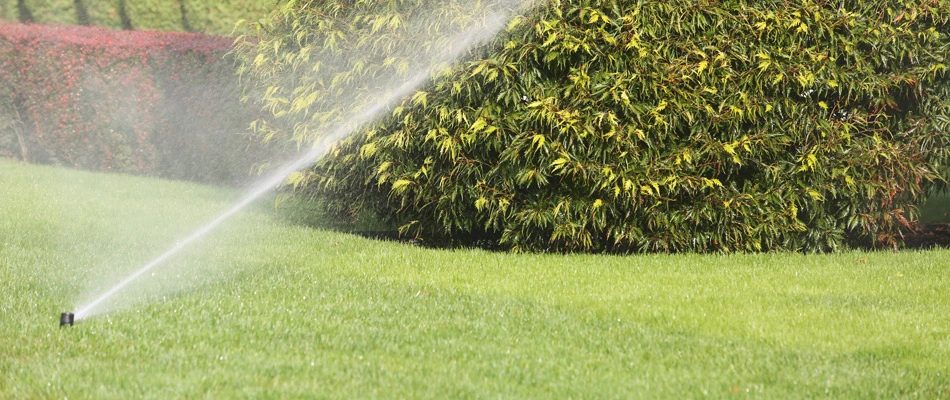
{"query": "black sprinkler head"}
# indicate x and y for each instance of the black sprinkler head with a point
(66, 319)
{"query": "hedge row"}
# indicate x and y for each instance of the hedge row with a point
(625, 126)
(150, 103)
(206, 16)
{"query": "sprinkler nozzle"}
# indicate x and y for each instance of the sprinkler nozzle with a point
(66, 319)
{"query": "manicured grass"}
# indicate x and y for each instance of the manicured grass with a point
(264, 308)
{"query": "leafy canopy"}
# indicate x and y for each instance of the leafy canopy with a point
(622, 126)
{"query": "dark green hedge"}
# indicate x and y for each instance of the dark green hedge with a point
(622, 126)
(207, 16)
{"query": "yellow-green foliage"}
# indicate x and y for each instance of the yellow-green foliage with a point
(206, 16)
(599, 125)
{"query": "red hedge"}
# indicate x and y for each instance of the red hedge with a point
(145, 102)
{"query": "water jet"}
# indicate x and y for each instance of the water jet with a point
(388, 97)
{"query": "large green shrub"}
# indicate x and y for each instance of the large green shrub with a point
(598, 125)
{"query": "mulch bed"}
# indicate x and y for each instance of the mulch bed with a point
(929, 236)
(926, 237)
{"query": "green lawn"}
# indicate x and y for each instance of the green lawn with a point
(265, 308)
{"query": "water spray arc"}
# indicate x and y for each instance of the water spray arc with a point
(460, 44)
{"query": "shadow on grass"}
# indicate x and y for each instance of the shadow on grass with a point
(296, 210)
(933, 230)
